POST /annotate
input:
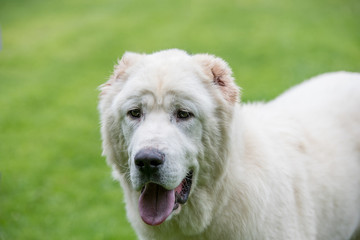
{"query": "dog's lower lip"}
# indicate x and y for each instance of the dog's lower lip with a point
(181, 197)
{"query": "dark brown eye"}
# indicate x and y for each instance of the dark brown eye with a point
(183, 115)
(135, 113)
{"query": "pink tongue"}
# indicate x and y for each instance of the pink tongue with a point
(156, 204)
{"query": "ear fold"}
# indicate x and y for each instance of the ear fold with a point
(127, 60)
(221, 74)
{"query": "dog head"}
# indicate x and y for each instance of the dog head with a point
(164, 125)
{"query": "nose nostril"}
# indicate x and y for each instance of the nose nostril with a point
(155, 162)
(139, 162)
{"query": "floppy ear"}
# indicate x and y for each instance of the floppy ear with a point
(127, 60)
(221, 74)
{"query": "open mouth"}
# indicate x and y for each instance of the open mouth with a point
(156, 203)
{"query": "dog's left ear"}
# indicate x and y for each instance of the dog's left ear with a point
(219, 71)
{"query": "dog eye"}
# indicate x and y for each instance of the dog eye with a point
(183, 115)
(135, 113)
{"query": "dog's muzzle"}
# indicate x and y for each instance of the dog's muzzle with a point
(156, 202)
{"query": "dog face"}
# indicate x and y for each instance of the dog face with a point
(156, 113)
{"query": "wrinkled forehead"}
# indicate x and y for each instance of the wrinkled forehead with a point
(164, 83)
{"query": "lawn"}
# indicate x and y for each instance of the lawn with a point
(54, 183)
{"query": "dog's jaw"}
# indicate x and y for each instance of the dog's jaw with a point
(157, 203)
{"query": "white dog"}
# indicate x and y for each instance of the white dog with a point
(196, 164)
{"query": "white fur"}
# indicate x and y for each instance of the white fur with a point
(287, 169)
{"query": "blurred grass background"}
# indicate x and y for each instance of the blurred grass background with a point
(54, 183)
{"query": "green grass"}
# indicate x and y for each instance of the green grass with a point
(54, 183)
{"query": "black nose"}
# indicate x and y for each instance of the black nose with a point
(149, 160)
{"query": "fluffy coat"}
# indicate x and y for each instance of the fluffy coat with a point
(286, 169)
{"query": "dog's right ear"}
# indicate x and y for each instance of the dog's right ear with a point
(127, 60)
